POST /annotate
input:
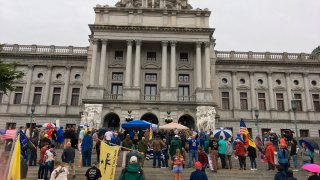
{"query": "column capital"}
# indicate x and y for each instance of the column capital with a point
(30, 66)
(129, 42)
(198, 44)
(68, 67)
(164, 43)
(207, 44)
(94, 40)
(104, 41)
(305, 74)
(173, 43)
(138, 42)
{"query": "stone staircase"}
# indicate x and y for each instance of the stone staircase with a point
(165, 173)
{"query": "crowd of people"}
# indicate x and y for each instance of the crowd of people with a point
(168, 149)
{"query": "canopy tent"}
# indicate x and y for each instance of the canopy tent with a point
(137, 124)
(173, 125)
(154, 126)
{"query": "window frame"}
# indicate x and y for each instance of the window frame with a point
(118, 58)
(75, 96)
(151, 56)
(18, 94)
(56, 94)
(280, 100)
(316, 102)
(38, 95)
(298, 102)
(262, 101)
(244, 99)
(225, 99)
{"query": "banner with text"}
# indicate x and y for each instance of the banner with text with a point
(108, 161)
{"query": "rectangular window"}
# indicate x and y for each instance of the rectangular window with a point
(262, 101)
(75, 96)
(117, 76)
(183, 93)
(18, 95)
(56, 96)
(316, 102)
(151, 77)
(150, 92)
(298, 99)
(243, 101)
(183, 78)
(250, 131)
(225, 101)
(151, 56)
(116, 89)
(37, 95)
(304, 133)
(280, 101)
(118, 55)
(1, 97)
(184, 57)
(11, 125)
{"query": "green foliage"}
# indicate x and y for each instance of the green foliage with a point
(8, 75)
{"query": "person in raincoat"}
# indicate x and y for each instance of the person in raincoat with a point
(269, 155)
(133, 171)
(60, 137)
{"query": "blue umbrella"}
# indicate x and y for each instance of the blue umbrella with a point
(136, 124)
(309, 146)
(225, 133)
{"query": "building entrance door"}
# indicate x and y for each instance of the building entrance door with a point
(150, 117)
(111, 120)
(187, 120)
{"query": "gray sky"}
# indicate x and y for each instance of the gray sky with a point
(241, 25)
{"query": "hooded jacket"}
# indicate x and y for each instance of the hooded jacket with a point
(270, 153)
(132, 172)
(175, 144)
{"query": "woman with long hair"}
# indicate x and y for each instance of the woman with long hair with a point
(177, 163)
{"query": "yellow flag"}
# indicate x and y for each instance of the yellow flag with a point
(151, 134)
(15, 165)
(108, 161)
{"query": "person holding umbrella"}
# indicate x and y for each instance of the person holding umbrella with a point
(305, 153)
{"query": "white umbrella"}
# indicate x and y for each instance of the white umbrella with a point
(173, 125)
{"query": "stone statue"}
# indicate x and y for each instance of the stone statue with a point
(92, 115)
(167, 4)
(206, 117)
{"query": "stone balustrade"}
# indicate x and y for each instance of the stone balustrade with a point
(232, 55)
(39, 49)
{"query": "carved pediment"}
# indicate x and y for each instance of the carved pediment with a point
(297, 89)
(225, 87)
(151, 66)
(261, 88)
(20, 81)
(116, 65)
(57, 82)
(38, 81)
(279, 88)
(76, 82)
(315, 89)
(185, 66)
(243, 87)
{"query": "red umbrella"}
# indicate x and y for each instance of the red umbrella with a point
(315, 168)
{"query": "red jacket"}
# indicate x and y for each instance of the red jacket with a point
(240, 151)
(42, 153)
(269, 154)
(203, 158)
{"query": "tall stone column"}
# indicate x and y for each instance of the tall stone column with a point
(207, 65)
(137, 65)
(93, 62)
(234, 90)
(198, 65)
(103, 62)
(47, 87)
(127, 81)
(164, 65)
(307, 92)
(253, 92)
(173, 65)
(271, 95)
(28, 86)
(289, 93)
(66, 86)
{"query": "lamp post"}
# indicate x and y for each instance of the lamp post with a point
(294, 109)
(129, 117)
(168, 119)
(256, 113)
(33, 109)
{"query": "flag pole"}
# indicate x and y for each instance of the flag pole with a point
(120, 146)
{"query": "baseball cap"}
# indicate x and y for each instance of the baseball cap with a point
(197, 164)
(46, 135)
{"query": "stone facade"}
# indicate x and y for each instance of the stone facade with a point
(150, 57)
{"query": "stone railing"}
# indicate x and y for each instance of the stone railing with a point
(113, 96)
(187, 98)
(39, 49)
(233, 55)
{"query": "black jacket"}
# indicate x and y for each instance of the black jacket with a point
(68, 155)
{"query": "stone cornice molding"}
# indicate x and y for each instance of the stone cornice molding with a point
(101, 28)
(227, 87)
(38, 81)
(297, 89)
(314, 89)
(44, 56)
(261, 88)
(151, 66)
(117, 65)
(243, 87)
(268, 63)
(279, 88)
(57, 82)
(184, 67)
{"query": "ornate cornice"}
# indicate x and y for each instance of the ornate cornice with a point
(279, 88)
(95, 28)
(44, 56)
(264, 63)
(225, 87)
(243, 87)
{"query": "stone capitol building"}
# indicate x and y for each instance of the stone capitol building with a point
(156, 60)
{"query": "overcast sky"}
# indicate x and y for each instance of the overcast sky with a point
(241, 25)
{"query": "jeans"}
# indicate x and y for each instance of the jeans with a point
(33, 157)
(295, 161)
(202, 143)
(41, 171)
(193, 153)
(242, 162)
(229, 161)
(223, 160)
(48, 168)
(253, 162)
(86, 158)
(156, 156)
(165, 161)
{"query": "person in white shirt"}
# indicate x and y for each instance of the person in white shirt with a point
(108, 135)
(59, 173)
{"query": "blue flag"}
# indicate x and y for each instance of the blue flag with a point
(24, 145)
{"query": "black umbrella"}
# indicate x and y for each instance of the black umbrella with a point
(313, 143)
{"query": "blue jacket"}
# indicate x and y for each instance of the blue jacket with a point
(198, 175)
(87, 143)
(283, 156)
